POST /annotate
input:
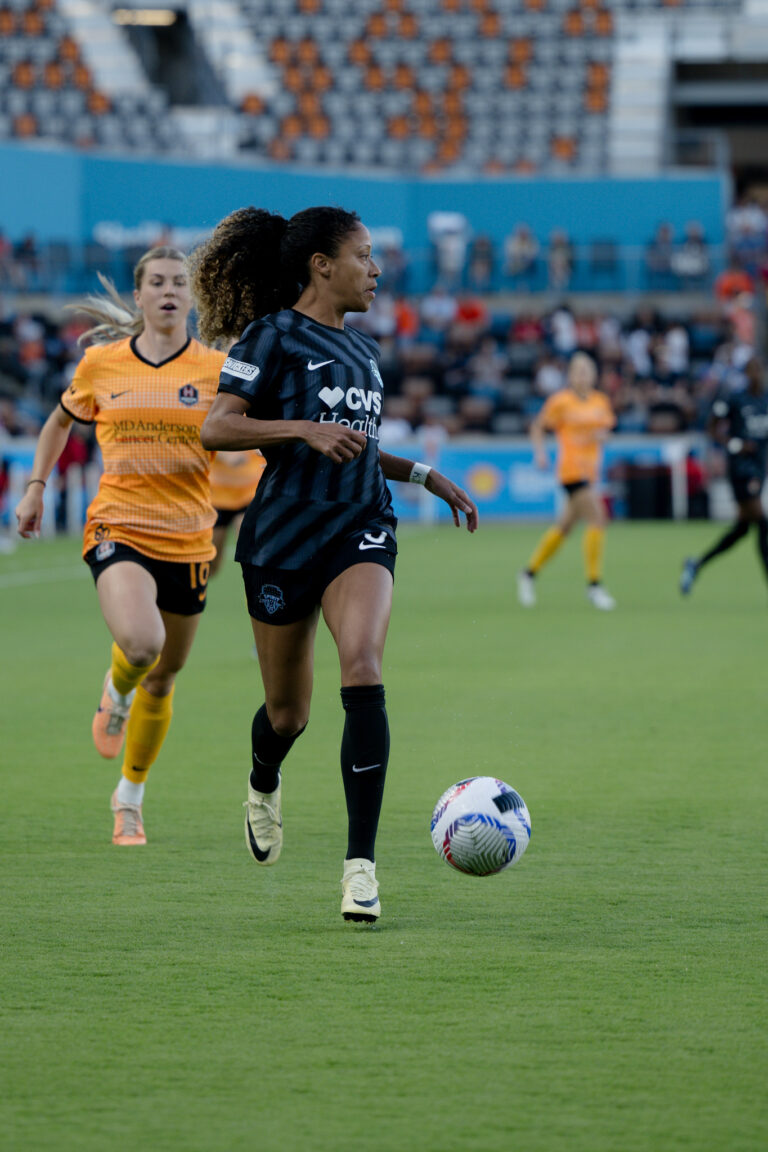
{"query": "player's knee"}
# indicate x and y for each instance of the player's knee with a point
(360, 669)
(288, 720)
(141, 651)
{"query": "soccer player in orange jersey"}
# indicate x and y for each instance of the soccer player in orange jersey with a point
(234, 479)
(580, 418)
(147, 387)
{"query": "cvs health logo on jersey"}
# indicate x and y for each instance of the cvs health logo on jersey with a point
(363, 404)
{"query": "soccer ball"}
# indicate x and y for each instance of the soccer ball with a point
(481, 826)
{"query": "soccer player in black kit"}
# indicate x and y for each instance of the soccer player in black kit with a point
(319, 535)
(740, 422)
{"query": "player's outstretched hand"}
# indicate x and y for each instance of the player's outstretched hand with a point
(29, 512)
(455, 497)
(335, 441)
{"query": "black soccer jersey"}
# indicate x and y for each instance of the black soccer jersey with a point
(289, 367)
(747, 417)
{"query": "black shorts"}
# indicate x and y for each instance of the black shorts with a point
(746, 483)
(284, 595)
(575, 486)
(181, 585)
(225, 516)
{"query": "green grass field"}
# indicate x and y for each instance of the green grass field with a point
(607, 995)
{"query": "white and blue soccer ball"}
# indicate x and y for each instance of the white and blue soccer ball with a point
(481, 826)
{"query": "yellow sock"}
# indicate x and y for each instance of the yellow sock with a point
(545, 549)
(147, 728)
(593, 554)
(125, 676)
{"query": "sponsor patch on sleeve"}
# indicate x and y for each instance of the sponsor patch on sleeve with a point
(240, 369)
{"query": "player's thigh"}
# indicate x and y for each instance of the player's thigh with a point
(219, 543)
(127, 597)
(287, 660)
(357, 606)
(588, 506)
(751, 509)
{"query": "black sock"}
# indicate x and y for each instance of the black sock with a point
(762, 542)
(364, 756)
(731, 537)
(269, 750)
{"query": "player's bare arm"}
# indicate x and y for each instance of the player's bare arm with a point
(228, 428)
(399, 468)
(536, 433)
(50, 445)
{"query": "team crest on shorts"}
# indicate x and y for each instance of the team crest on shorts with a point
(189, 395)
(105, 550)
(272, 598)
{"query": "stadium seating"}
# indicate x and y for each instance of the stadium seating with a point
(495, 86)
(47, 91)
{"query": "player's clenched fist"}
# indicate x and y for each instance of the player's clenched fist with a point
(336, 441)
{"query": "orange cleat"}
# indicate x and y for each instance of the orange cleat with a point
(109, 723)
(129, 828)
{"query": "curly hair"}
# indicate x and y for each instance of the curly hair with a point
(115, 318)
(257, 262)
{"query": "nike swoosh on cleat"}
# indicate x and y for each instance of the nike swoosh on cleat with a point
(259, 853)
(313, 367)
(366, 767)
(367, 903)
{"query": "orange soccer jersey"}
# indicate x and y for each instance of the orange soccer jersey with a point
(234, 478)
(154, 493)
(579, 425)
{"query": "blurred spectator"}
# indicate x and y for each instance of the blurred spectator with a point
(638, 345)
(549, 376)
(438, 309)
(449, 233)
(486, 370)
(77, 452)
(690, 262)
(562, 331)
(672, 354)
(27, 260)
(732, 282)
(481, 259)
(559, 260)
(747, 233)
(521, 253)
(394, 269)
(658, 257)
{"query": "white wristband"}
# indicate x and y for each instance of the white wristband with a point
(419, 474)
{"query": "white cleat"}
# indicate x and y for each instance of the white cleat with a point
(526, 589)
(599, 598)
(360, 892)
(263, 825)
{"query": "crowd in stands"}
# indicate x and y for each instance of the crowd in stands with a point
(463, 360)
(456, 258)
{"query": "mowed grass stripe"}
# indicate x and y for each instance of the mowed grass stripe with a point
(608, 992)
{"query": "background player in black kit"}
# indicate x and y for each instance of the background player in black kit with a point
(320, 532)
(740, 422)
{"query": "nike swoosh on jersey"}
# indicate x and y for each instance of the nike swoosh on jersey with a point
(313, 367)
(114, 395)
(362, 546)
(365, 767)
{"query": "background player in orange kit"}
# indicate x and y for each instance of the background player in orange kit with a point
(147, 386)
(580, 418)
(234, 479)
